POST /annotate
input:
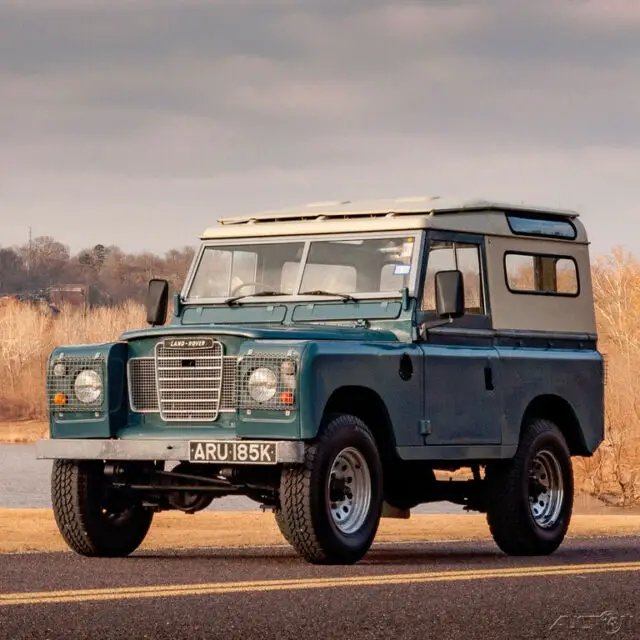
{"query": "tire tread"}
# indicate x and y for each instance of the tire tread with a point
(296, 496)
(507, 521)
(72, 487)
(66, 486)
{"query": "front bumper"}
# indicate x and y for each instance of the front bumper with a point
(287, 451)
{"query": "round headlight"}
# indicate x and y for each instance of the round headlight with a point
(263, 384)
(88, 386)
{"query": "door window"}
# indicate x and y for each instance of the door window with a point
(445, 255)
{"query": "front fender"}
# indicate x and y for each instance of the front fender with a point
(328, 366)
(74, 420)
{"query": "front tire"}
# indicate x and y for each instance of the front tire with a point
(283, 526)
(530, 498)
(330, 506)
(92, 519)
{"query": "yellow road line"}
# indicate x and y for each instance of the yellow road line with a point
(217, 588)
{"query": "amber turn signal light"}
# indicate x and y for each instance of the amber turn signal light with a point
(286, 397)
(59, 399)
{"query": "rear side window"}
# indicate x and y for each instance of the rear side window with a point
(541, 274)
(538, 226)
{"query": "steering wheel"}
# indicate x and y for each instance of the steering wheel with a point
(245, 284)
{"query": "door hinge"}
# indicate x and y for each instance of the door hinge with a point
(425, 427)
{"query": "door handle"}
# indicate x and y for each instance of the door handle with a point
(488, 378)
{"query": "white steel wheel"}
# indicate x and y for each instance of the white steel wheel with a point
(546, 489)
(330, 506)
(349, 490)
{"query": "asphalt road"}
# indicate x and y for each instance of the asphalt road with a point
(587, 589)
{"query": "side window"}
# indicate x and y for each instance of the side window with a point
(445, 255)
(550, 275)
(541, 226)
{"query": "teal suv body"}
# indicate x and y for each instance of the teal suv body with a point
(327, 363)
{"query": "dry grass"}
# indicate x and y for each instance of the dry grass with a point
(35, 530)
(23, 431)
(27, 337)
(613, 473)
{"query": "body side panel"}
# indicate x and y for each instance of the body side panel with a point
(539, 312)
(526, 367)
(462, 404)
(575, 376)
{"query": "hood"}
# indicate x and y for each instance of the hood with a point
(314, 332)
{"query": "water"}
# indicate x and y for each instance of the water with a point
(25, 483)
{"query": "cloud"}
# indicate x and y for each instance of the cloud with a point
(247, 104)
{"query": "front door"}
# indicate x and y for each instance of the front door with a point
(461, 365)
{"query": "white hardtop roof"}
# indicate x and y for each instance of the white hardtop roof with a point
(375, 214)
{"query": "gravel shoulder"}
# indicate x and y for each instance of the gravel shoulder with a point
(24, 530)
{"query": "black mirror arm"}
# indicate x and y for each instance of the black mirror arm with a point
(425, 327)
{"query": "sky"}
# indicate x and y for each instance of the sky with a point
(141, 123)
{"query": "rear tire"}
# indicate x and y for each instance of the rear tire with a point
(530, 497)
(331, 505)
(92, 519)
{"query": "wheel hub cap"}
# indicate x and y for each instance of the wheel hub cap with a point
(349, 490)
(546, 489)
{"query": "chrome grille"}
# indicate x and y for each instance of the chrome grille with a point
(189, 382)
(228, 394)
(143, 391)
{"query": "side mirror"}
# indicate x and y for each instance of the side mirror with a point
(157, 302)
(449, 294)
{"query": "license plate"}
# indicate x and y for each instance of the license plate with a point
(233, 452)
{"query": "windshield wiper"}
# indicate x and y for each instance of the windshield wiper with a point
(235, 299)
(319, 292)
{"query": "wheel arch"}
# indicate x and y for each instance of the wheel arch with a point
(559, 411)
(366, 404)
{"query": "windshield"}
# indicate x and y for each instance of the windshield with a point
(356, 265)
